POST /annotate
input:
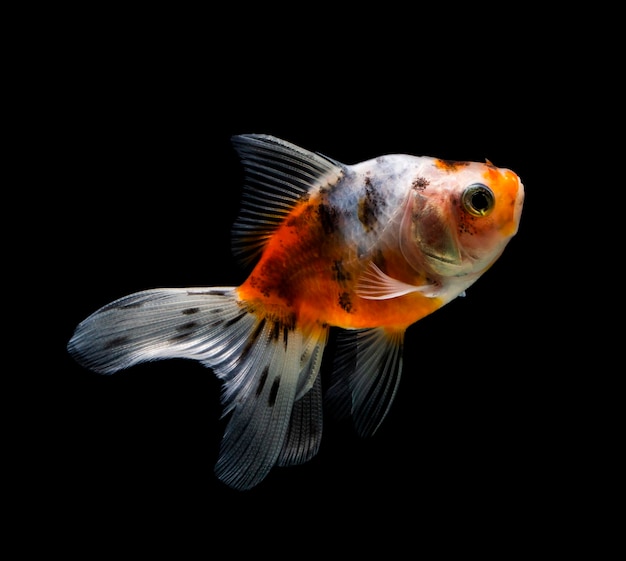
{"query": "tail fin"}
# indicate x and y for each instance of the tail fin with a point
(267, 365)
(158, 324)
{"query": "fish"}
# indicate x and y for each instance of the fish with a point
(365, 249)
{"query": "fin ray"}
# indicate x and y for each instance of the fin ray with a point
(158, 324)
(278, 175)
(304, 435)
(260, 409)
(367, 371)
(266, 366)
(376, 285)
(268, 424)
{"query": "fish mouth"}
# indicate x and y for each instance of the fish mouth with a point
(456, 261)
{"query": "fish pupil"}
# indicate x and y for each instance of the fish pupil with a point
(480, 201)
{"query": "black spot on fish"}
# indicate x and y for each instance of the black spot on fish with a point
(420, 183)
(271, 400)
(257, 330)
(285, 335)
(450, 165)
(191, 311)
(231, 321)
(290, 321)
(130, 306)
(179, 337)
(211, 292)
(187, 326)
(345, 302)
(328, 218)
(116, 342)
(255, 282)
(250, 342)
(369, 206)
(275, 331)
(339, 272)
(262, 380)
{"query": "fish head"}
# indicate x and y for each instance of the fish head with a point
(460, 216)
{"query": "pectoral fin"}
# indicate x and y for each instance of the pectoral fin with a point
(376, 285)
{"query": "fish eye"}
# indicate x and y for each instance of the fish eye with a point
(478, 200)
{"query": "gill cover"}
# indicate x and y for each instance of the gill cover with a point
(427, 235)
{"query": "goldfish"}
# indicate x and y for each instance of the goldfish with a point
(366, 249)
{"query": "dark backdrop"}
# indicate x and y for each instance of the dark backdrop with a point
(143, 189)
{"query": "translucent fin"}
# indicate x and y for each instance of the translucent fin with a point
(265, 363)
(304, 435)
(278, 363)
(311, 360)
(278, 175)
(376, 285)
(259, 396)
(366, 375)
(195, 323)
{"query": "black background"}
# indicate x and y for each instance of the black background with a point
(143, 185)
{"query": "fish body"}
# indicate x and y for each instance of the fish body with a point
(369, 248)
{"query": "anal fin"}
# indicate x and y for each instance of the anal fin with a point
(366, 375)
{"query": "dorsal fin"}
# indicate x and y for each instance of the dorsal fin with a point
(278, 175)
